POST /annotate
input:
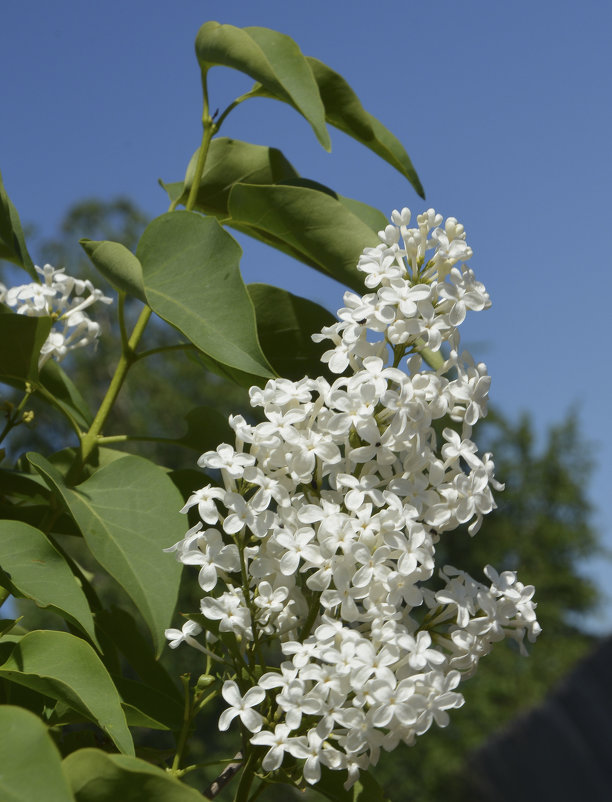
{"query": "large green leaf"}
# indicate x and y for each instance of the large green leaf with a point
(192, 280)
(230, 161)
(312, 222)
(271, 58)
(343, 110)
(66, 668)
(12, 241)
(33, 568)
(96, 776)
(22, 337)
(30, 763)
(128, 511)
(285, 323)
(117, 264)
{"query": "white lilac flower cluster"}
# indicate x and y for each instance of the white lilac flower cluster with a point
(62, 298)
(323, 537)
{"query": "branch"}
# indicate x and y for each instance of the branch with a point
(224, 778)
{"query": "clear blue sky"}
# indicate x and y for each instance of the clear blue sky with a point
(504, 108)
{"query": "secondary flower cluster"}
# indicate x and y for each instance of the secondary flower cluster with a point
(62, 298)
(322, 538)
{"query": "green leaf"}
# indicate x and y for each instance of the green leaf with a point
(206, 427)
(6, 624)
(284, 324)
(372, 217)
(33, 568)
(344, 111)
(192, 280)
(12, 241)
(30, 763)
(97, 776)
(271, 58)
(66, 668)
(146, 706)
(230, 161)
(129, 638)
(117, 264)
(318, 226)
(128, 511)
(26, 336)
(65, 393)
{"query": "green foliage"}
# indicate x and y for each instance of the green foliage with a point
(191, 276)
(12, 241)
(24, 736)
(96, 776)
(128, 512)
(273, 60)
(33, 568)
(19, 363)
(67, 669)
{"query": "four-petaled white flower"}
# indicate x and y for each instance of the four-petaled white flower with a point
(241, 706)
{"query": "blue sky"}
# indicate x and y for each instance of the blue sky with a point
(504, 108)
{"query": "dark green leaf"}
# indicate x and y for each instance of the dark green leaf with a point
(271, 58)
(33, 568)
(117, 264)
(65, 393)
(96, 776)
(22, 339)
(146, 706)
(66, 668)
(206, 426)
(192, 280)
(12, 241)
(230, 161)
(313, 223)
(30, 764)
(128, 511)
(129, 638)
(343, 110)
(6, 624)
(284, 324)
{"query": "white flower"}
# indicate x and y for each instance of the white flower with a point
(241, 706)
(279, 742)
(72, 328)
(331, 511)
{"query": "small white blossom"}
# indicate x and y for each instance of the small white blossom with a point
(64, 299)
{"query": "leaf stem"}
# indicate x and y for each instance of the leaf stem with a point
(210, 129)
(186, 727)
(246, 779)
(14, 415)
(232, 106)
(90, 439)
(162, 349)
